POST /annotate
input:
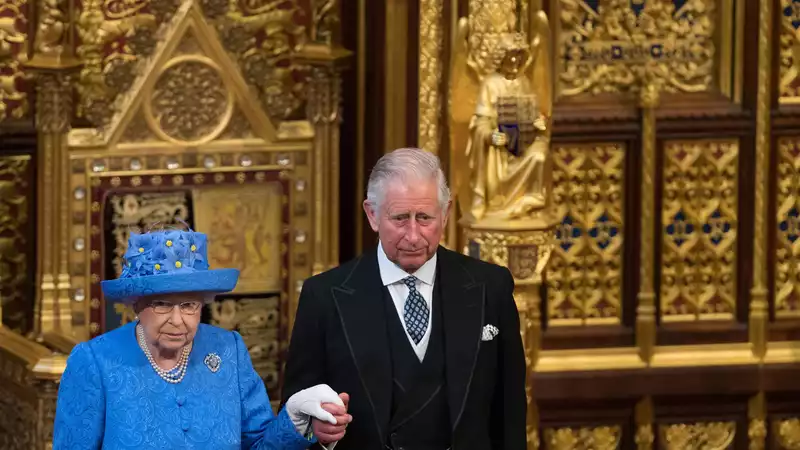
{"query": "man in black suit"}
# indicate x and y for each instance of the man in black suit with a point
(425, 341)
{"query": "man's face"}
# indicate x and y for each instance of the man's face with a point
(410, 222)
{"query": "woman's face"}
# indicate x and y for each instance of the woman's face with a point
(170, 321)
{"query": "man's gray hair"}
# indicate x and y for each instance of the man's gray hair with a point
(405, 164)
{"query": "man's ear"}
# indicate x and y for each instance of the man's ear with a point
(372, 215)
(447, 210)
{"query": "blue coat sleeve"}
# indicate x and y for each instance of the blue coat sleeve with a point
(261, 429)
(81, 404)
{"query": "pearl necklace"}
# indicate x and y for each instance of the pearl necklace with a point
(174, 375)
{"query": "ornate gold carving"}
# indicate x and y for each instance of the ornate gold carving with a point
(51, 28)
(706, 435)
(128, 29)
(138, 130)
(501, 107)
(238, 127)
(13, 240)
(757, 433)
(17, 420)
(584, 276)
(262, 37)
(500, 247)
(787, 433)
(13, 91)
(53, 102)
(258, 321)
(789, 84)
(584, 438)
(787, 272)
(699, 219)
(190, 103)
(325, 21)
(244, 228)
(431, 39)
(603, 44)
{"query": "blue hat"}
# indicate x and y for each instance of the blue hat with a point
(167, 262)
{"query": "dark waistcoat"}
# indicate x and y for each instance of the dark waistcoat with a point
(420, 417)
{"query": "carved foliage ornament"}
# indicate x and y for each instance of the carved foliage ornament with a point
(699, 222)
(787, 270)
(603, 43)
(114, 37)
(584, 277)
(598, 438)
(262, 37)
(13, 86)
(190, 102)
(711, 436)
(790, 51)
(13, 240)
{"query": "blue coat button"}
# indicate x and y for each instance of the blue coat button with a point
(181, 400)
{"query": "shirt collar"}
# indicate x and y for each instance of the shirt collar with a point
(391, 273)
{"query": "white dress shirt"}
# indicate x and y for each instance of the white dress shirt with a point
(392, 277)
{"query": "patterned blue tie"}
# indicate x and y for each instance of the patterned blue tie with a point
(415, 311)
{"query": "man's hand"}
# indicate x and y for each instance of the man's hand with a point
(327, 433)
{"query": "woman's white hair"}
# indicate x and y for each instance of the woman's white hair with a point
(405, 164)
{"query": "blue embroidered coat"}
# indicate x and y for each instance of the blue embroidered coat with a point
(110, 397)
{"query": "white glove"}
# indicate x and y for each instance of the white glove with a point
(307, 403)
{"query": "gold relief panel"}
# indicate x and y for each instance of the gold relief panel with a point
(584, 276)
(584, 438)
(244, 227)
(699, 228)
(787, 258)
(701, 435)
(15, 309)
(604, 45)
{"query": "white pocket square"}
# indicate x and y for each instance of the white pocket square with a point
(489, 332)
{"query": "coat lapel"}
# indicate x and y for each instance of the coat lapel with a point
(463, 314)
(359, 301)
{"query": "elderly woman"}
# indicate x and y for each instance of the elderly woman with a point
(166, 381)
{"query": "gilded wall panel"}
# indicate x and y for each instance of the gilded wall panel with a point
(243, 224)
(584, 275)
(787, 258)
(603, 46)
(705, 435)
(789, 74)
(584, 438)
(14, 83)
(16, 309)
(699, 228)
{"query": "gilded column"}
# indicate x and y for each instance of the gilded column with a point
(324, 112)
(431, 39)
(759, 310)
(646, 306)
(53, 64)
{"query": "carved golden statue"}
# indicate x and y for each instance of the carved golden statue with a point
(500, 119)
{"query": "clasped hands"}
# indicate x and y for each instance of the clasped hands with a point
(326, 410)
